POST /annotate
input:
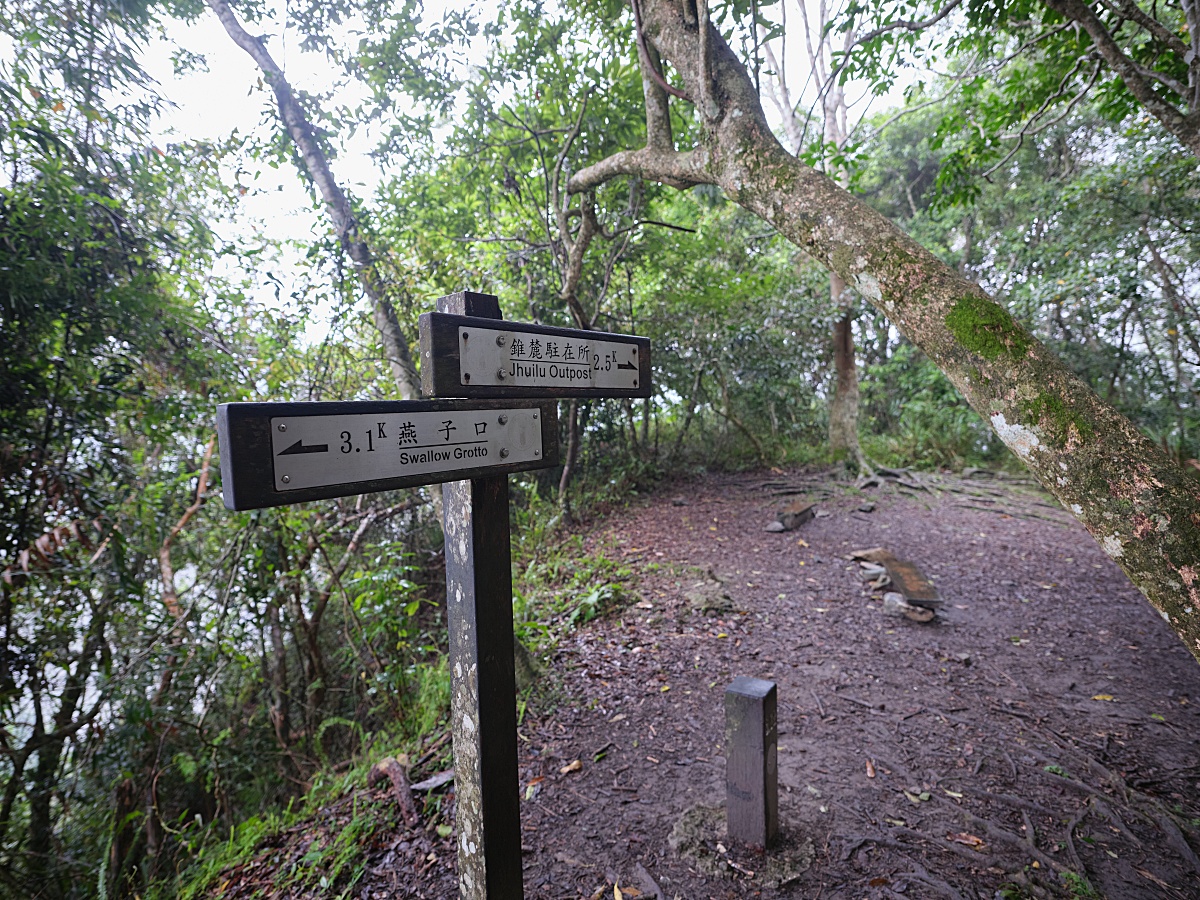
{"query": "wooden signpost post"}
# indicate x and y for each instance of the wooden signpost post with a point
(506, 377)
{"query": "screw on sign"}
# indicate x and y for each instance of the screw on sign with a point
(503, 419)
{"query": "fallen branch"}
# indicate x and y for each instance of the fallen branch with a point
(392, 770)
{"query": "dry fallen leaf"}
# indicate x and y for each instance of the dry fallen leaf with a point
(870, 769)
(1108, 697)
(617, 895)
(571, 767)
(533, 787)
(975, 843)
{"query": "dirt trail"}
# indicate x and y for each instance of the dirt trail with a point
(1041, 738)
(1048, 722)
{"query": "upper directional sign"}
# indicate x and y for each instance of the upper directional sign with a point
(464, 356)
(278, 453)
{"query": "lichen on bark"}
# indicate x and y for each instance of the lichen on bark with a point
(1057, 419)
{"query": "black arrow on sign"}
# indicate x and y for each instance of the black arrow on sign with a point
(299, 447)
(626, 365)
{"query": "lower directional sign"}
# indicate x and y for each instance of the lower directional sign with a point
(278, 453)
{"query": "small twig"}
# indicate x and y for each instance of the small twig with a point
(817, 700)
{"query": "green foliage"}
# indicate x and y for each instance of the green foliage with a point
(562, 587)
(1019, 69)
(914, 416)
(1079, 886)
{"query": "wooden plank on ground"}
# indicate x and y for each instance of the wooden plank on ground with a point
(906, 578)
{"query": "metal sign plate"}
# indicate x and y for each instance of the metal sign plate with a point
(463, 356)
(520, 359)
(311, 451)
(279, 453)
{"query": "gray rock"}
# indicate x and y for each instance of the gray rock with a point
(709, 597)
(795, 514)
(775, 527)
(894, 604)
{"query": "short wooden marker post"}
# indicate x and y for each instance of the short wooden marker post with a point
(751, 762)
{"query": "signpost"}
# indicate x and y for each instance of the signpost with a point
(510, 373)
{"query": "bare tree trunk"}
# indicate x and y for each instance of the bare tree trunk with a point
(337, 205)
(693, 397)
(167, 571)
(843, 406)
(819, 45)
(341, 215)
(569, 461)
(1138, 504)
(280, 710)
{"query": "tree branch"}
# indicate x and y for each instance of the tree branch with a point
(658, 110)
(1185, 127)
(1130, 10)
(371, 519)
(708, 104)
(670, 167)
(170, 597)
(654, 73)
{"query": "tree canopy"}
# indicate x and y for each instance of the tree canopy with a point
(1021, 235)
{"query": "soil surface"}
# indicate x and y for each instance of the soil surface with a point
(1041, 737)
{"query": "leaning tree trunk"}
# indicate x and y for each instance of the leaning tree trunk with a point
(1138, 504)
(337, 205)
(341, 214)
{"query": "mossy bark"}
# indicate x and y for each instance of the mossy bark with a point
(1137, 502)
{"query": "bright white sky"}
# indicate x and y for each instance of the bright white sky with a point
(230, 96)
